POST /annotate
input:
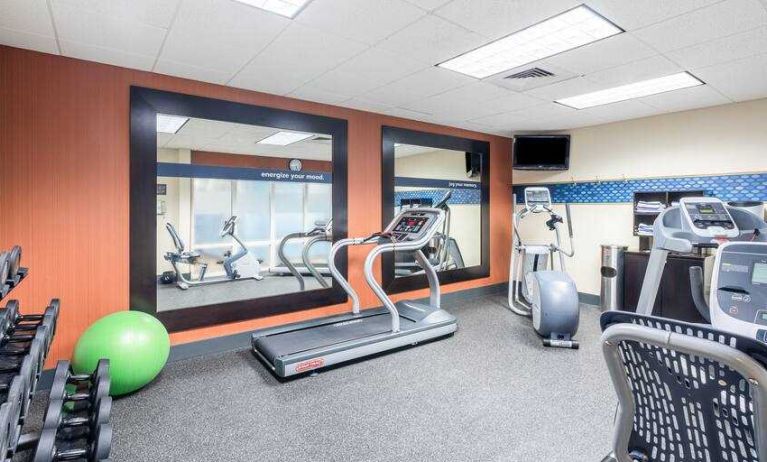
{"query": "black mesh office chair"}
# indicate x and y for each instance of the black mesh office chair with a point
(686, 392)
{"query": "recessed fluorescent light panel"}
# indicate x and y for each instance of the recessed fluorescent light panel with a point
(632, 90)
(571, 29)
(170, 123)
(285, 138)
(287, 8)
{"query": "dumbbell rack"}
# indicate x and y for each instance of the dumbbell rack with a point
(76, 421)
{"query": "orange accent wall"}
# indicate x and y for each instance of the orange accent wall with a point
(235, 160)
(64, 185)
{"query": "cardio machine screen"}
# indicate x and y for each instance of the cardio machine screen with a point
(538, 197)
(410, 225)
(759, 275)
(706, 209)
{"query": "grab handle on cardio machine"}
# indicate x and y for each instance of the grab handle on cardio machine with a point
(698, 294)
(569, 221)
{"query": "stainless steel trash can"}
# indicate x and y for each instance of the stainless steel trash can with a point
(611, 293)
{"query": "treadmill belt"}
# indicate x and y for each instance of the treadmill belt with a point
(287, 343)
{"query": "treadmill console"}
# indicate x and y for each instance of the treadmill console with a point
(739, 303)
(412, 224)
(708, 217)
(537, 199)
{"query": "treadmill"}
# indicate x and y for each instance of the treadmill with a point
(315, 344)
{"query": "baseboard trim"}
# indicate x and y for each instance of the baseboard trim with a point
(589, 299)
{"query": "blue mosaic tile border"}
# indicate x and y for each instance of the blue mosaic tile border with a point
(747, 187)
(459, 197)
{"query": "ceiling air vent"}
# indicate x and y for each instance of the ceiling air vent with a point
(533, 73)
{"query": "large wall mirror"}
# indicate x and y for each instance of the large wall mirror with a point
(429, 170)
(245, 203)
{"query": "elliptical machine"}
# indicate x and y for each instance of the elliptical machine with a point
(238, 262)
(549, 297)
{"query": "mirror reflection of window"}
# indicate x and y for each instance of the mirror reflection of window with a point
(232, 199)
(429, 177)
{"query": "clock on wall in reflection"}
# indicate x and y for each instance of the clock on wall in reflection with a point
(295, 165)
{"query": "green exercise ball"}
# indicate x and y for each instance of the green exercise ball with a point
(136, 344)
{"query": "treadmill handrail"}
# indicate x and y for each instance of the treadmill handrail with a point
(417, 244)
(308, 264)
(337, 276)
(286, 260)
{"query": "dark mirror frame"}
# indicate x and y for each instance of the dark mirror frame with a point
(392, 135)
(145, 104)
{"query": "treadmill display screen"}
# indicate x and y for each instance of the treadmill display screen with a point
(410, 225)
(706, 209)
(759, 275)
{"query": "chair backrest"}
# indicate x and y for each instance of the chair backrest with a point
(687, 392)
(177, 242)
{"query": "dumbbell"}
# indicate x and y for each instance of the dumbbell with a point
(12, 358)
(99, 383)
(96, 450)
(29, 365)
(17, 398)
(72, 427)
(5, 269)
(13, 259)
(12, 321)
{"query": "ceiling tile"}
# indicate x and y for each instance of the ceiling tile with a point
(604, 54)
(464, 103)
(368, 21)
(220, 35)
(498, 18)
(369, 70)
(633, 14)
(433, 40)
(104, 55)
(503, 120)
(739, 80)
(151, 12)
(423, 84)
(428, 5)
(731, 48)
(366, 105)
(685, 99)
(656, 66)
(17, 39)
(572, 87)
(699, 26)
(297, 56)
(188, 71)
(508, 120)
(311, 92)
(92, 29)
(28, 16)
(407, 113)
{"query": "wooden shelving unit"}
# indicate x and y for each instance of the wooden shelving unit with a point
(648, 218)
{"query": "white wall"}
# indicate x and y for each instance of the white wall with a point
(720, 140)
(466, 220)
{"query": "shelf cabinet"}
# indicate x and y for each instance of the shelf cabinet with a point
(674, 298)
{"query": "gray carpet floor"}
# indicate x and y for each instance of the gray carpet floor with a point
(491, 392)
(171, 297)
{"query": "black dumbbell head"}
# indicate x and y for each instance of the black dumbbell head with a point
(14, 258)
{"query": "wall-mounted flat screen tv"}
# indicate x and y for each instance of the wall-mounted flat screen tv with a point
(541, 152)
